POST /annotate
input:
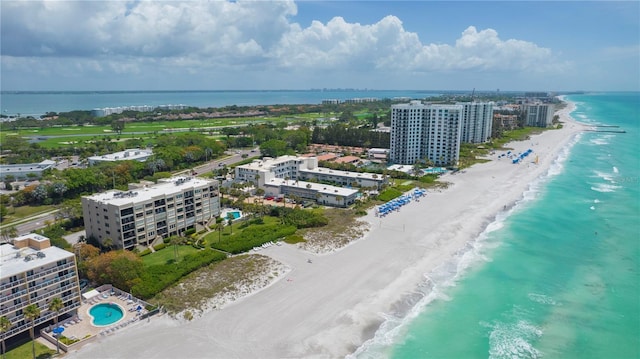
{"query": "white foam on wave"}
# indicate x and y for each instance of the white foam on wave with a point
(615, 169)
(450, 272)
(542, 299)
(434, 288)
(604, 187)
(393, 327)
(599, 141)
(609, 177)
(558, 164)
(596, 201)
(513, 340)
(592, 208)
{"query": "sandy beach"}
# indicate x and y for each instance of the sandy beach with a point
(330, 307)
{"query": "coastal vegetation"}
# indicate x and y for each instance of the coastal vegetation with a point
(223, 279)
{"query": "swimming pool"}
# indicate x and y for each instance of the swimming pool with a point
(235, 214)
(105, 314)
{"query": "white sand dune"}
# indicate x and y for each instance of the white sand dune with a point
(328, 308)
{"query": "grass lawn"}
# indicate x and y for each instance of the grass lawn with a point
(165, 254)
(237, 226)
(25, 351)
(25, 211)
(521, 134)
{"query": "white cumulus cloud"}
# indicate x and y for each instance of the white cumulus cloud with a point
(222, 36)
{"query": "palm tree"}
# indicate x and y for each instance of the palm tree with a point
(177, 241)
(32, 312)
(219, 227)
(56, 305)
(5, 325)
(230, 219)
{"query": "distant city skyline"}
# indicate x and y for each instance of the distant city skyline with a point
(260, 45)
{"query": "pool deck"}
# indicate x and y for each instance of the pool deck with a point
(83, 327)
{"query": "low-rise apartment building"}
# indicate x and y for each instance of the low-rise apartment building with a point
(304, 169)
(23, 171)
(323, 194)
(144, 213)
(34, 272)
(139, 155)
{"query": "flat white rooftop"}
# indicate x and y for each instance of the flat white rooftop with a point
(269, 162)
(168, 186)
(321, 188)
(328, 171)
(131, 154)
(13, 260)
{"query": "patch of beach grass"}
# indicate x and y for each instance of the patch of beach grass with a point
(218, 283)
(343, 228)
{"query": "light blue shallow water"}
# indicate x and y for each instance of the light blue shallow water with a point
(105, 314)
(560, 278)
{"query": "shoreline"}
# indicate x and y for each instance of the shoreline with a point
(337, 304)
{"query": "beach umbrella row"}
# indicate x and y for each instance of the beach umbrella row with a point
(521, 156)
(396, 203)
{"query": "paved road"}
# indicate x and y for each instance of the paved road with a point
(34, 223)
(234, 157)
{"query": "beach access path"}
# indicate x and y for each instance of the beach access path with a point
(331, 306)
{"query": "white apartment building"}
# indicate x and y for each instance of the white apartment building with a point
(538, 115)
(21, 171)
(303, 169)
(420, 131)
(34, 272)
(477, 121)
(320, 193)
(144, 213)
(135, 154)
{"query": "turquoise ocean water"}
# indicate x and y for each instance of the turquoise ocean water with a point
(558, 276)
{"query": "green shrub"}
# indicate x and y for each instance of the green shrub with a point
(160, 246)
(299, 217)
(158, 277)
(389, 194)
(68, 341)
(294, 238)
(253, 237)
(166, 240)
(145, 252)
(189, 231)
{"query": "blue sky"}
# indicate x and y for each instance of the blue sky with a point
(423, 45)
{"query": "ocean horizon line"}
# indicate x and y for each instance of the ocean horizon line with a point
(300, 90)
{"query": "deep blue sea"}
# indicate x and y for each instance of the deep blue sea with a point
(558, 276)
(38, 103)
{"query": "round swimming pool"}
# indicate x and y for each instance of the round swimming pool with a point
(105, 314)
